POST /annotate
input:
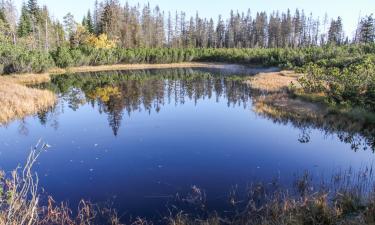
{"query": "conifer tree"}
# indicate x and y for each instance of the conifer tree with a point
(33, 8)
(367, 30)
(25, 23)
(335, 32)
(89, 22)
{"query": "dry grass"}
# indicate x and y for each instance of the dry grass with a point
(20, 202)
(274, 99)
(19, 194)
(346, 198)
(18, 101)
(26, 78)
(280, 105)
(274, 81)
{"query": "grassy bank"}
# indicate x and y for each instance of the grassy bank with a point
(288, 92)
(274, 94)
(18, 101)
(281, 98)
(281, 92)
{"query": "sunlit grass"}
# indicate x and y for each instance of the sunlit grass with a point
(18, 101)
(274, 81)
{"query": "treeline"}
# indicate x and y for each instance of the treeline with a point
(114, 34)
(136, 26)
(38, 61)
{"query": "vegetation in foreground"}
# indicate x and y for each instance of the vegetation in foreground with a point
(347, 198)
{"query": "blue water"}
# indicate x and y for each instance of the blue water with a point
(162, 135)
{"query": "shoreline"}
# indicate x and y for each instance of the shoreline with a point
(280, 95)
(35, 78)
(81, 69)
(20, 101)
(275, 88)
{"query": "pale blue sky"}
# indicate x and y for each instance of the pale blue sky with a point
(349, 10)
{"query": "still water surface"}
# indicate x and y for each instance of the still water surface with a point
(138, 138)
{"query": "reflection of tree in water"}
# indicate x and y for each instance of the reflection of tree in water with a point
(119, 93)
(127, 92)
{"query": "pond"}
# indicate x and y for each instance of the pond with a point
(137, 139)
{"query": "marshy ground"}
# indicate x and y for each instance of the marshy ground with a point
(273, 95)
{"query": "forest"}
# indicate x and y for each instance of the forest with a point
(116, 33)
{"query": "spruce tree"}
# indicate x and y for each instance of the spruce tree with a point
(84, 22)
(335, 32)
(2, 15)
(89, 22)
(32, 6)
(25, 24)
(220, 33)
(69, 24)
(367, 30)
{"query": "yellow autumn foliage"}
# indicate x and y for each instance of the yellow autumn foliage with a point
(100, 42)
(104, 94)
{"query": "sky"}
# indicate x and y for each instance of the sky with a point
(349, 10)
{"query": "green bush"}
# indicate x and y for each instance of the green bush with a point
(16, 59)
(351, 85)
(62, 57)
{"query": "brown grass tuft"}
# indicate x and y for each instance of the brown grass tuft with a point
(279, 105)
(18, 101)
(273, 82)
(274, 99)
(28, 78)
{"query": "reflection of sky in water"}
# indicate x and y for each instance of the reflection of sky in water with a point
(158, 154)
